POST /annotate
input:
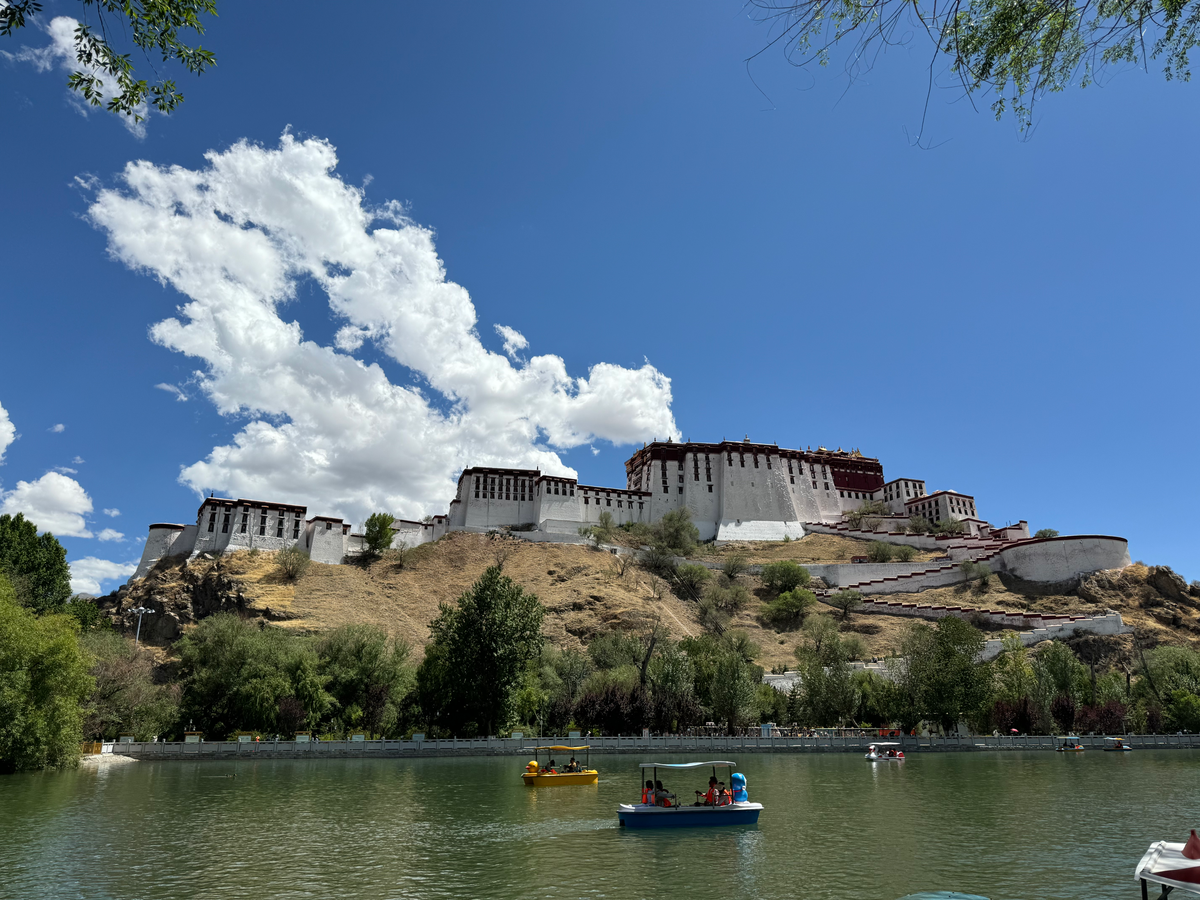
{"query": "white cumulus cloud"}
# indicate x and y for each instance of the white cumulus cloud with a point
(8, 432)
(54, 503)
(112, 512)
(60, 53)
(57, 429)
(110, 534)
(88, 573)
(320, 425)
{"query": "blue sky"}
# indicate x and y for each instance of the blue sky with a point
(1008, 317)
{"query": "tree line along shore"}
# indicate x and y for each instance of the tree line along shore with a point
(487, 668)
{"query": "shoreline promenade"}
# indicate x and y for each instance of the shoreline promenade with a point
(707, 744)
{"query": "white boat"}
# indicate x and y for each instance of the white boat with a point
(1118, 745)
(882, 752)
(734, 810)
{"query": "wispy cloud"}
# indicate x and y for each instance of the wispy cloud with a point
(78, 461)
(325, 427)
(57, 429)
(66, 470)
(514, 341)
(110, 534)
(111, 512)
(173, 389)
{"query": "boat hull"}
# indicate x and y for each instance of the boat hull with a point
(640, 816)
(589, 776)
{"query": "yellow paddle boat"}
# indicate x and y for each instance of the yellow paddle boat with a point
(555, 773)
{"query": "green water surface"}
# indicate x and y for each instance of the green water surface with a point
(1004, 825)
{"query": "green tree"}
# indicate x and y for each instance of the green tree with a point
(153, 26)
(126, 699)
(675, 533)
(378, 533)
(918, 525)
(1017, 52)
(1046, 533)
(941, 673)
(237, 676)
(787, 611)
(36, 565)
(43, 684)
(904, 553)
(489, 635)
(733, 689)
(784, 576)
(614, 649)
(845, 601)
(879, 551)
(367, 676)
(671, 679)
(827, 693)
(690, 579)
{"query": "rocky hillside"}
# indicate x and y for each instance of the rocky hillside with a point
(587, 592)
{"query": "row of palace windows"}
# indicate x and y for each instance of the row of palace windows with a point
(501, 489)
(244, 525)
(608, 502)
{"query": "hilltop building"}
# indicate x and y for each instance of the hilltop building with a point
(735, 490)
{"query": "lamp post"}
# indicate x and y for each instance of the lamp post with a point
(141, 611)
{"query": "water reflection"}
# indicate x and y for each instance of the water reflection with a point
(1004, 825)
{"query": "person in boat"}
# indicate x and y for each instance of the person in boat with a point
(550, 769)
(648, 793)
(572, 766)
(724, 795)
(713, 797)
(662, 797)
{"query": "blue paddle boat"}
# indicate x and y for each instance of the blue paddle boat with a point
(661, 809)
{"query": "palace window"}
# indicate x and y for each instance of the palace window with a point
(296, 529)
(607, 502)
(225, 524)
(245, 522)
(639, 504)
(681, 479)
(792, 479)
(585, 501)
(666, 490)
(681, 490)
(814, 485)
(742, 460)
(710, 488)
(212, 521)
(826, 483)
(279, 526)
(328, 526)
(262, 525)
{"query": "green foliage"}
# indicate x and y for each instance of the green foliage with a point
(976, 571)
(605, 528)
(1017, 51)
(489, 636)
(940, 674)
(614, 649)
(675, 533)
(241, 677)
(770, 705)
(721, 600)
(784, 576)
(1046, 533)
(733, 689)
(690, 579)
(904, 552)
(734, 565)
(153, 27)
(36, 565)
(377, 532)
(827, 693)
(367, 676)
(949, 526)
(1183, 712)
(671, 679)
(787, 611)
(125, 699)
(86, 614)
(659, 561)
(879, 551)
(918, 525)
(292, 562)
(43, 682)
(845, 601)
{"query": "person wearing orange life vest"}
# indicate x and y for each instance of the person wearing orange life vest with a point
(713, 797)
(725, 795)
(648, 793)
(662, 797)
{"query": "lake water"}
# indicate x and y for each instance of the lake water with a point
(1004, 825)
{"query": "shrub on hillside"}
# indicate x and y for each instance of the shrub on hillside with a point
(734, 565)
(690, 579)
(787, 611)
(675, 533)
(949, 526)
(780, 577)
(867, 515)
(904, 553)
(377, 533)
(879, 551)
(292, 562)
(845, 601)
(917, 525)
(659, 561)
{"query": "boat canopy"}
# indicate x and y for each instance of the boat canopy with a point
(695, 765)
(559, 747)
(884, 744)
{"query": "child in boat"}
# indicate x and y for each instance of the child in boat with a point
(550, 769)
(713, 797)
(725, 796)
(648, 793)
(572, 766)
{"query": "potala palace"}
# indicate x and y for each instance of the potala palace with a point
(735, 491)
